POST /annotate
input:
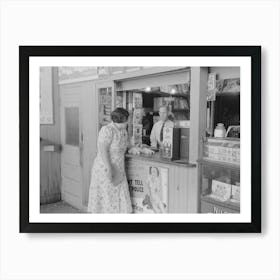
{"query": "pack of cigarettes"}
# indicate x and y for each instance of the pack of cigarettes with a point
(222, 150)
(137, 134)
(137, 116)
(221, 190)
(137, 101)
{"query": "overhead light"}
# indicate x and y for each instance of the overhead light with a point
(148, 89)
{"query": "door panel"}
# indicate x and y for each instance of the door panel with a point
(72, 146)
(71, 188)
(71, 171)
(71, 126)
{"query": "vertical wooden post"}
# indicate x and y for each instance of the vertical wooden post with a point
(198, 113)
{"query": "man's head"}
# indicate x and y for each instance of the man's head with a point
(163, 113)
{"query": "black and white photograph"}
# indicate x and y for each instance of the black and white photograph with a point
(137, 126)
(150, 139)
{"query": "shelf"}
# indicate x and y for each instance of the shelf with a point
(228, 93)
(176, 110)
(227, 204)
(219, 163)
(222, 138)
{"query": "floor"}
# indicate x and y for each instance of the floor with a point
(58, 207)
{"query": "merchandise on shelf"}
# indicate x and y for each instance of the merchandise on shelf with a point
(180, 103)
(170, 147)
(105, 106)
(137, 101)
(119, 100)
(158, 102)
(137, 116)
(182, 123)
(211, 83)
(222, 150)
(231, 85)
(235, 193)
(176, 88)
(137, 134)
(173, 103)
(220, 190)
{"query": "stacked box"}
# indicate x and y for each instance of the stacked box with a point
(137, 116)
(235, 193)
(137, 100)
(130, 125)
(221, 190)
(137, 134)
(224, 191)
(163, 101)
(222, 150)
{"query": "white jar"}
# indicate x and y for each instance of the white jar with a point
(220, 131)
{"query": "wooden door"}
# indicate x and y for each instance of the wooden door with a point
(72, 146)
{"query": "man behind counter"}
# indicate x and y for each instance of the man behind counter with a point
(156, 136)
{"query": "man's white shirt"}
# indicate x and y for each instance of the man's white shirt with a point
(155, 133)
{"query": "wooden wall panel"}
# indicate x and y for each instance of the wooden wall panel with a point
(50, 176)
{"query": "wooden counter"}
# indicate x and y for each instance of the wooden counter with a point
(156, 158)
(180, 181)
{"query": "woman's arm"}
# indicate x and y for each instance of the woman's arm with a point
(104, 151)
(129, 146)
(104, 141)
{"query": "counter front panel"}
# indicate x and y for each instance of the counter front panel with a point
(161, 186)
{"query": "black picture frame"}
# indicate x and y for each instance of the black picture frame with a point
(25, 52)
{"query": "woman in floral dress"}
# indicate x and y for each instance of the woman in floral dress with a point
(109, 192)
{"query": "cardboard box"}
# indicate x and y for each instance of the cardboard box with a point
(221, 190)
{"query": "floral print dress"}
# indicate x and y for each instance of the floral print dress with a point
(104, 196)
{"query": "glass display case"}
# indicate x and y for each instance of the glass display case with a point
(220, 176)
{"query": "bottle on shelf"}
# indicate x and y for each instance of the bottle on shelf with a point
(220, 131)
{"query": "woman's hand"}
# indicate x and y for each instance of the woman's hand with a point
(134, 151)
(147, 151)
(117, 177)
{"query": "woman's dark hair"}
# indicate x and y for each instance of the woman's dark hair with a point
(119, 115)
(155, 168)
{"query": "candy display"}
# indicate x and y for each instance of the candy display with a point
(137, 134)
(137, 101)
(221, 190)
(222, 150)
(137, 116)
